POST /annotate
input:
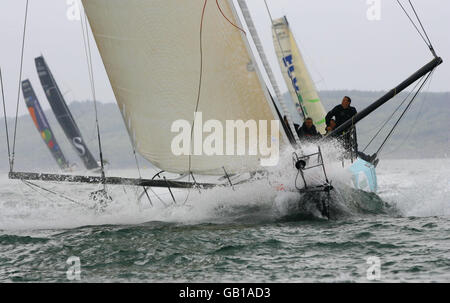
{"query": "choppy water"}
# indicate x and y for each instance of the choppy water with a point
(249, 235)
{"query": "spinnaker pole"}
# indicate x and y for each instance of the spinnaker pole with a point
(388, 96)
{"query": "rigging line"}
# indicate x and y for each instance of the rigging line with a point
(282, 52)
(91, 71)
(220, 9)
(269, 72)
(417, 117)
(309, 59)
(37, 191)
(415, 26)
(6, 121)
(157, 196)
(198, 92)
(139, 171)
(406, 109)
(58, 91)
(421, 25)
(52, 192)
(201, 70)
(88, 64)
(413, 23)
(287, 113)
(393, 113)
(19, 86)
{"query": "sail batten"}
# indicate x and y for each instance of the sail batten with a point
(151, 52)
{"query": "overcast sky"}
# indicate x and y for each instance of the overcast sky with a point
(343, 49)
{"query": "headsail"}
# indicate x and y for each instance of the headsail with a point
(155, 60)
(62, 113)
(295, 73)
(41, 123)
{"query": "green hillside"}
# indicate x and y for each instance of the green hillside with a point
(31, 153)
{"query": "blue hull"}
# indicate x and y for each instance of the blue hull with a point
(364, 175)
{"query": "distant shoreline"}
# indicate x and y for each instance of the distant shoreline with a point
(423, 134)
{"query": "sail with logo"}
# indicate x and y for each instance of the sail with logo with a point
(63, 114)
(170, 60)
(296, 75)
(42, 125)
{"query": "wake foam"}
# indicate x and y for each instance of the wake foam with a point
(409, 189)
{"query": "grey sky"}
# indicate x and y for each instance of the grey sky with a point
(343, 49)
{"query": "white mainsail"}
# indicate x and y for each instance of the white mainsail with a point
(296, 75)
(152, 55)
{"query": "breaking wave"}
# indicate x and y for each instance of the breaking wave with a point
(264, 200)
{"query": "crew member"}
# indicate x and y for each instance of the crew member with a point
(308, 131)
(341, 112)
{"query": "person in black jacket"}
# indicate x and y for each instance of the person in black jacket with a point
(308, 131)
(341, 112)
(330, 127)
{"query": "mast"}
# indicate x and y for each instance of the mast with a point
(62, 113)
(266, 65)
(41, 123)
(388, 96)
(268, 69)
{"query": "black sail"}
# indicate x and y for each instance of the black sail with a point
(62, 113)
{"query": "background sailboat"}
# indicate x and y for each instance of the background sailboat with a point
(295, 73)
(42, 125)
(62, 113)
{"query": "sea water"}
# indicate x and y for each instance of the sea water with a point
(250, 234)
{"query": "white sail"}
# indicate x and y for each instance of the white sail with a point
(251, 27)
(152, 55)
(295, 73)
